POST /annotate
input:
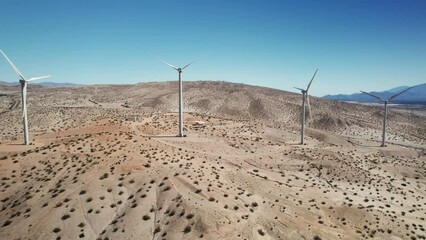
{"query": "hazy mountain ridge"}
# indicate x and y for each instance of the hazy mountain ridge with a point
(416, 95)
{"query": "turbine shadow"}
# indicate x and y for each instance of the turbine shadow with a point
(161, 136)
(361, 145)
(16, 144)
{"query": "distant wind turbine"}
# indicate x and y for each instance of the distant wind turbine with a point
(305, 99)
(23, 81)
(180, 70)
(385, 115)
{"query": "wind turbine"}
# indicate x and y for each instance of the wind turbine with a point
(24, 82)
(385, 115)
(180, 70)
(305, 99)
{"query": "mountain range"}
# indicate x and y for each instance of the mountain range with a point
(416, 95)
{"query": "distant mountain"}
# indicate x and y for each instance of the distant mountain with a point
(397, 89)
(54, 84)
(416, 95)
(6, 83)
(44, 84)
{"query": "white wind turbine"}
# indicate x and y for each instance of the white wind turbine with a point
(385, 115)
(305, 99)
(180, 70)
(23, 81)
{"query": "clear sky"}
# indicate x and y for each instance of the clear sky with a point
(369, 45)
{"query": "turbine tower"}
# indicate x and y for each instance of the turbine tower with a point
(180, 70)
(305, 99)
(385, 115)
(24, 82)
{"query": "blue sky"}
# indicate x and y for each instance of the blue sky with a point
(369, 45)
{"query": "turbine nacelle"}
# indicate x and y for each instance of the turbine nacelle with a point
(179, 69)
(390, 98)
(303, 91)
(22, 79)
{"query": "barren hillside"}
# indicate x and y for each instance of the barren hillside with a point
(219, 99)
(240, 174)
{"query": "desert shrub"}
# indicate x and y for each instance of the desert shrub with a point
(6, 223)
(187, 229)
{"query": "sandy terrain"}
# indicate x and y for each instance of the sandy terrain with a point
(90, 174)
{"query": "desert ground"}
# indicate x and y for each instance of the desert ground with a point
(104, 163)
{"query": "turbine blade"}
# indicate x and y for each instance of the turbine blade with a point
(13, 66)
(373, 96)
(169, 64)
(187, 65)
(299, 89)
(309, 105)
(309, 85)
(38, 78)
(396, 95)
